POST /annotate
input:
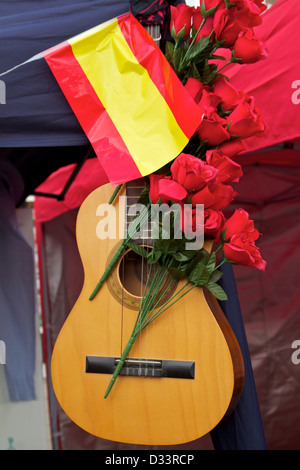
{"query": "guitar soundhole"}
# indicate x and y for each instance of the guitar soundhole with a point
(132, 278)
(134, 272)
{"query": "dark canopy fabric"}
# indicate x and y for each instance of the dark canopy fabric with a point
(36, 113)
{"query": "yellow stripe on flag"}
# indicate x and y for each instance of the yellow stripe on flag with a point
(133, 102)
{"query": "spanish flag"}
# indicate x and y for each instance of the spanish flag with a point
(130, 103)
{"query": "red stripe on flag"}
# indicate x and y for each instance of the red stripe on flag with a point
(91, 114)
(184, 108)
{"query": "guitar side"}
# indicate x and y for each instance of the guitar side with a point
(142, 410)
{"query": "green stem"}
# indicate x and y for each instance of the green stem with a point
(109, 269)
(228, 63)
(120, 365)
(168, 305)
(143, 319)
(114, 260)
(190, 46)
(115, 193)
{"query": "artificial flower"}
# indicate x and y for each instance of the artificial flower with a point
(181, 17)
(249, 48)
(164, 189)
(229, 171)
(240, 240)
(216, 196)
(232, 148)
(192, 173)
(246, 119)
(227, 92)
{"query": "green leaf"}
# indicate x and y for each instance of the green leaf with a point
(176, 273)
(216, 290)
(179, 53)
(211, 11)
(198, 51)
(179, 37)
(154, 256)
(138, 249)
(169, 53)
(216, 276)
(223, 235)
(193, 72)
(211, 264)
(199, 275)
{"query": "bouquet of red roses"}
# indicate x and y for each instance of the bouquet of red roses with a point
(202, 175)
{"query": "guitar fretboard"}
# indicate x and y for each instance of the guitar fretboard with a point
(133, 192)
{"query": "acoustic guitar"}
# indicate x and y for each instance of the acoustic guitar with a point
(183, 375)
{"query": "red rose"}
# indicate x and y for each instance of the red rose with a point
(162, 187)
(260, 5)
(181, 18)
(213, 223)
(192, 173)
(240, 236)
(232, 148)
(229, 171)
(249, 48)
(213, 3)
(207, 27)
(246, 119)
(215, 196)
(248, 12)
(226, 26)
(227, 92)
(191, 221)
(213, 129)
(192, 224)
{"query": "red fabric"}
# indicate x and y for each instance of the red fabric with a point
(281, 157)
(162, 75)
(270, 300)
(90, 177)
(270, 81)
(91, 113)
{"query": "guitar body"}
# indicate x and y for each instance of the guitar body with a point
(142, 410)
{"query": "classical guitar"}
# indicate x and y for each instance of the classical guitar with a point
(184, 373)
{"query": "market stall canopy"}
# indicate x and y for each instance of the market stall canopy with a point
(36, 113)
(275, 82)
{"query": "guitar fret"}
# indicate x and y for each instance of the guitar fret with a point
(133, 192)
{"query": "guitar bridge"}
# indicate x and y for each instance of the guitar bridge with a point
(141, 367)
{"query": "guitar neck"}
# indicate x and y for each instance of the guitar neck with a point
(133, 210)
(135, 187)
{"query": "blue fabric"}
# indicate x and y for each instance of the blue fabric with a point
(17, 293)
(243, 429)
(36, 112)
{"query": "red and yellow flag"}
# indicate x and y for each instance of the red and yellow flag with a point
(131, 105)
